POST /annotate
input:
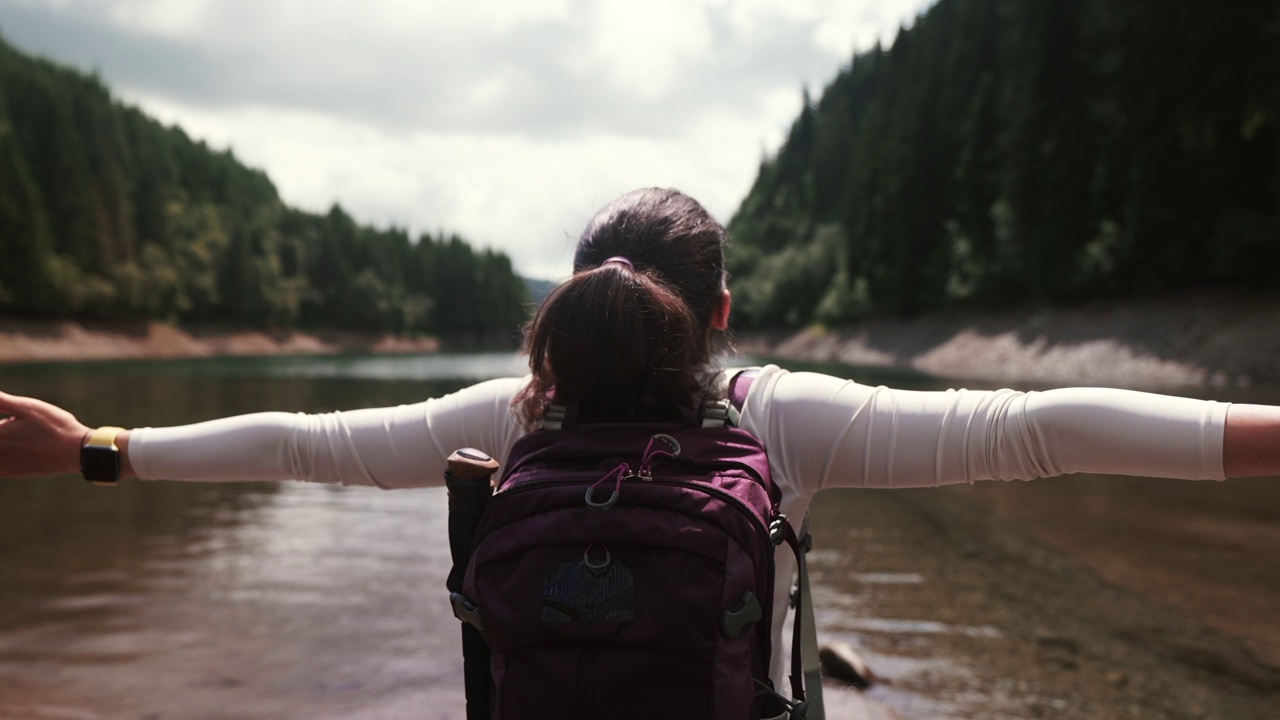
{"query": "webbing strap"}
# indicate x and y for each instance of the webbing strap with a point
(727, 412)
(467, 498)
(806, 675)
(804, 639)
(740, 385)
(809, 640)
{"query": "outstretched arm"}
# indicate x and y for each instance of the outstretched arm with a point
(1251, 441)
(827, 432)
(403, 446)
(41, 439)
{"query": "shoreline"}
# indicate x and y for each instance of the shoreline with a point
(1198, 339)
(34, 341)
(1190, 340)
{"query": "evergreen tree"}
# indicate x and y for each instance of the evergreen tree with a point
(1007, 152)
(106, 213)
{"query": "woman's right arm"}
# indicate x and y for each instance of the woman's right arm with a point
(38, 438)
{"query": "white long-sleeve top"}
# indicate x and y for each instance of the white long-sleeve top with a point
(819, 432)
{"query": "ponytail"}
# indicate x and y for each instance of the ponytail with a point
(628, 337)
(618, 343)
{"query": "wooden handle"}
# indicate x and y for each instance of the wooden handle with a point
(471, 464)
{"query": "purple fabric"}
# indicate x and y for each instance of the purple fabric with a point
(681, 549)
(739, 386)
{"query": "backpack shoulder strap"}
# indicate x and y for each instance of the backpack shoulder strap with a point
(806, 677)
(740, 385)
(727, 412)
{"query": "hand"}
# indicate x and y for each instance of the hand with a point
(1251, 441)
(38, 438)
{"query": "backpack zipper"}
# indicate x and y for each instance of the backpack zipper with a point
(759, 525)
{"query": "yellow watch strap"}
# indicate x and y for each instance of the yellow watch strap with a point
(104, 436)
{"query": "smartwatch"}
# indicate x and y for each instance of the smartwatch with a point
(100, 458)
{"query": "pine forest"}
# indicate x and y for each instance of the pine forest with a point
(107, 214)
(1025, 153)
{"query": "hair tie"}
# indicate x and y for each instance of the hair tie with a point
(619, 259)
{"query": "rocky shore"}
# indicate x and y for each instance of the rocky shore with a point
(1206, 339)
(34, 341)
(1133, 597)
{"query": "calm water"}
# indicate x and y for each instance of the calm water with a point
(1088, 597)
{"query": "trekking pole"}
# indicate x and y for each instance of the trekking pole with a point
(468, 481)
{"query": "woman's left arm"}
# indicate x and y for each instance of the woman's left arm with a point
(826, 432)
(1251, 441)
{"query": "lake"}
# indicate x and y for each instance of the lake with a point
(1082, 597)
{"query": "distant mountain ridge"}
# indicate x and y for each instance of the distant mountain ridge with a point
(538, 289)
(106, 213)
(1010, 153)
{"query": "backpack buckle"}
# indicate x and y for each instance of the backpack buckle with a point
(747, 611)
(778, 529)
(720, 413)
(466, 611)
(553, 417)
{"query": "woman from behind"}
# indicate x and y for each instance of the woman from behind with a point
(631, 337)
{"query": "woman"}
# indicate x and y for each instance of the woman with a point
(630, 337)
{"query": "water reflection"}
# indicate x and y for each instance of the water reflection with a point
(171, 600)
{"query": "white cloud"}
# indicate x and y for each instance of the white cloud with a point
(507, 122)
(176, 20)
(646, 47)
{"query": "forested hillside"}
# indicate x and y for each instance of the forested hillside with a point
(1007, 152)
(105, 213)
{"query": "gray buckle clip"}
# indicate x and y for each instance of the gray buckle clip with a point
(465, 610)
(777, 529)
(748, 611)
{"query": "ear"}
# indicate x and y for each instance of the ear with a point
(720, 317)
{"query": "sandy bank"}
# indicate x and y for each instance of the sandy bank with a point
(1201, 339)
(30, 341)
(1196, 339)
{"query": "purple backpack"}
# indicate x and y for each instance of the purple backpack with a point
(626, 571)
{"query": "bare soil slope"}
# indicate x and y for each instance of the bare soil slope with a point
(1195, 339)
(30, 341)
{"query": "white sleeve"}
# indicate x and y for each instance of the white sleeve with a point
(825, 432)
(394, 447)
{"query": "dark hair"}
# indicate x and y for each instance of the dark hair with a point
(631, 340)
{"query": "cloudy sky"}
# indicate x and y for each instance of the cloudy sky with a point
(506, 121)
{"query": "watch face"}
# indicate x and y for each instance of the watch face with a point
(100, 464)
